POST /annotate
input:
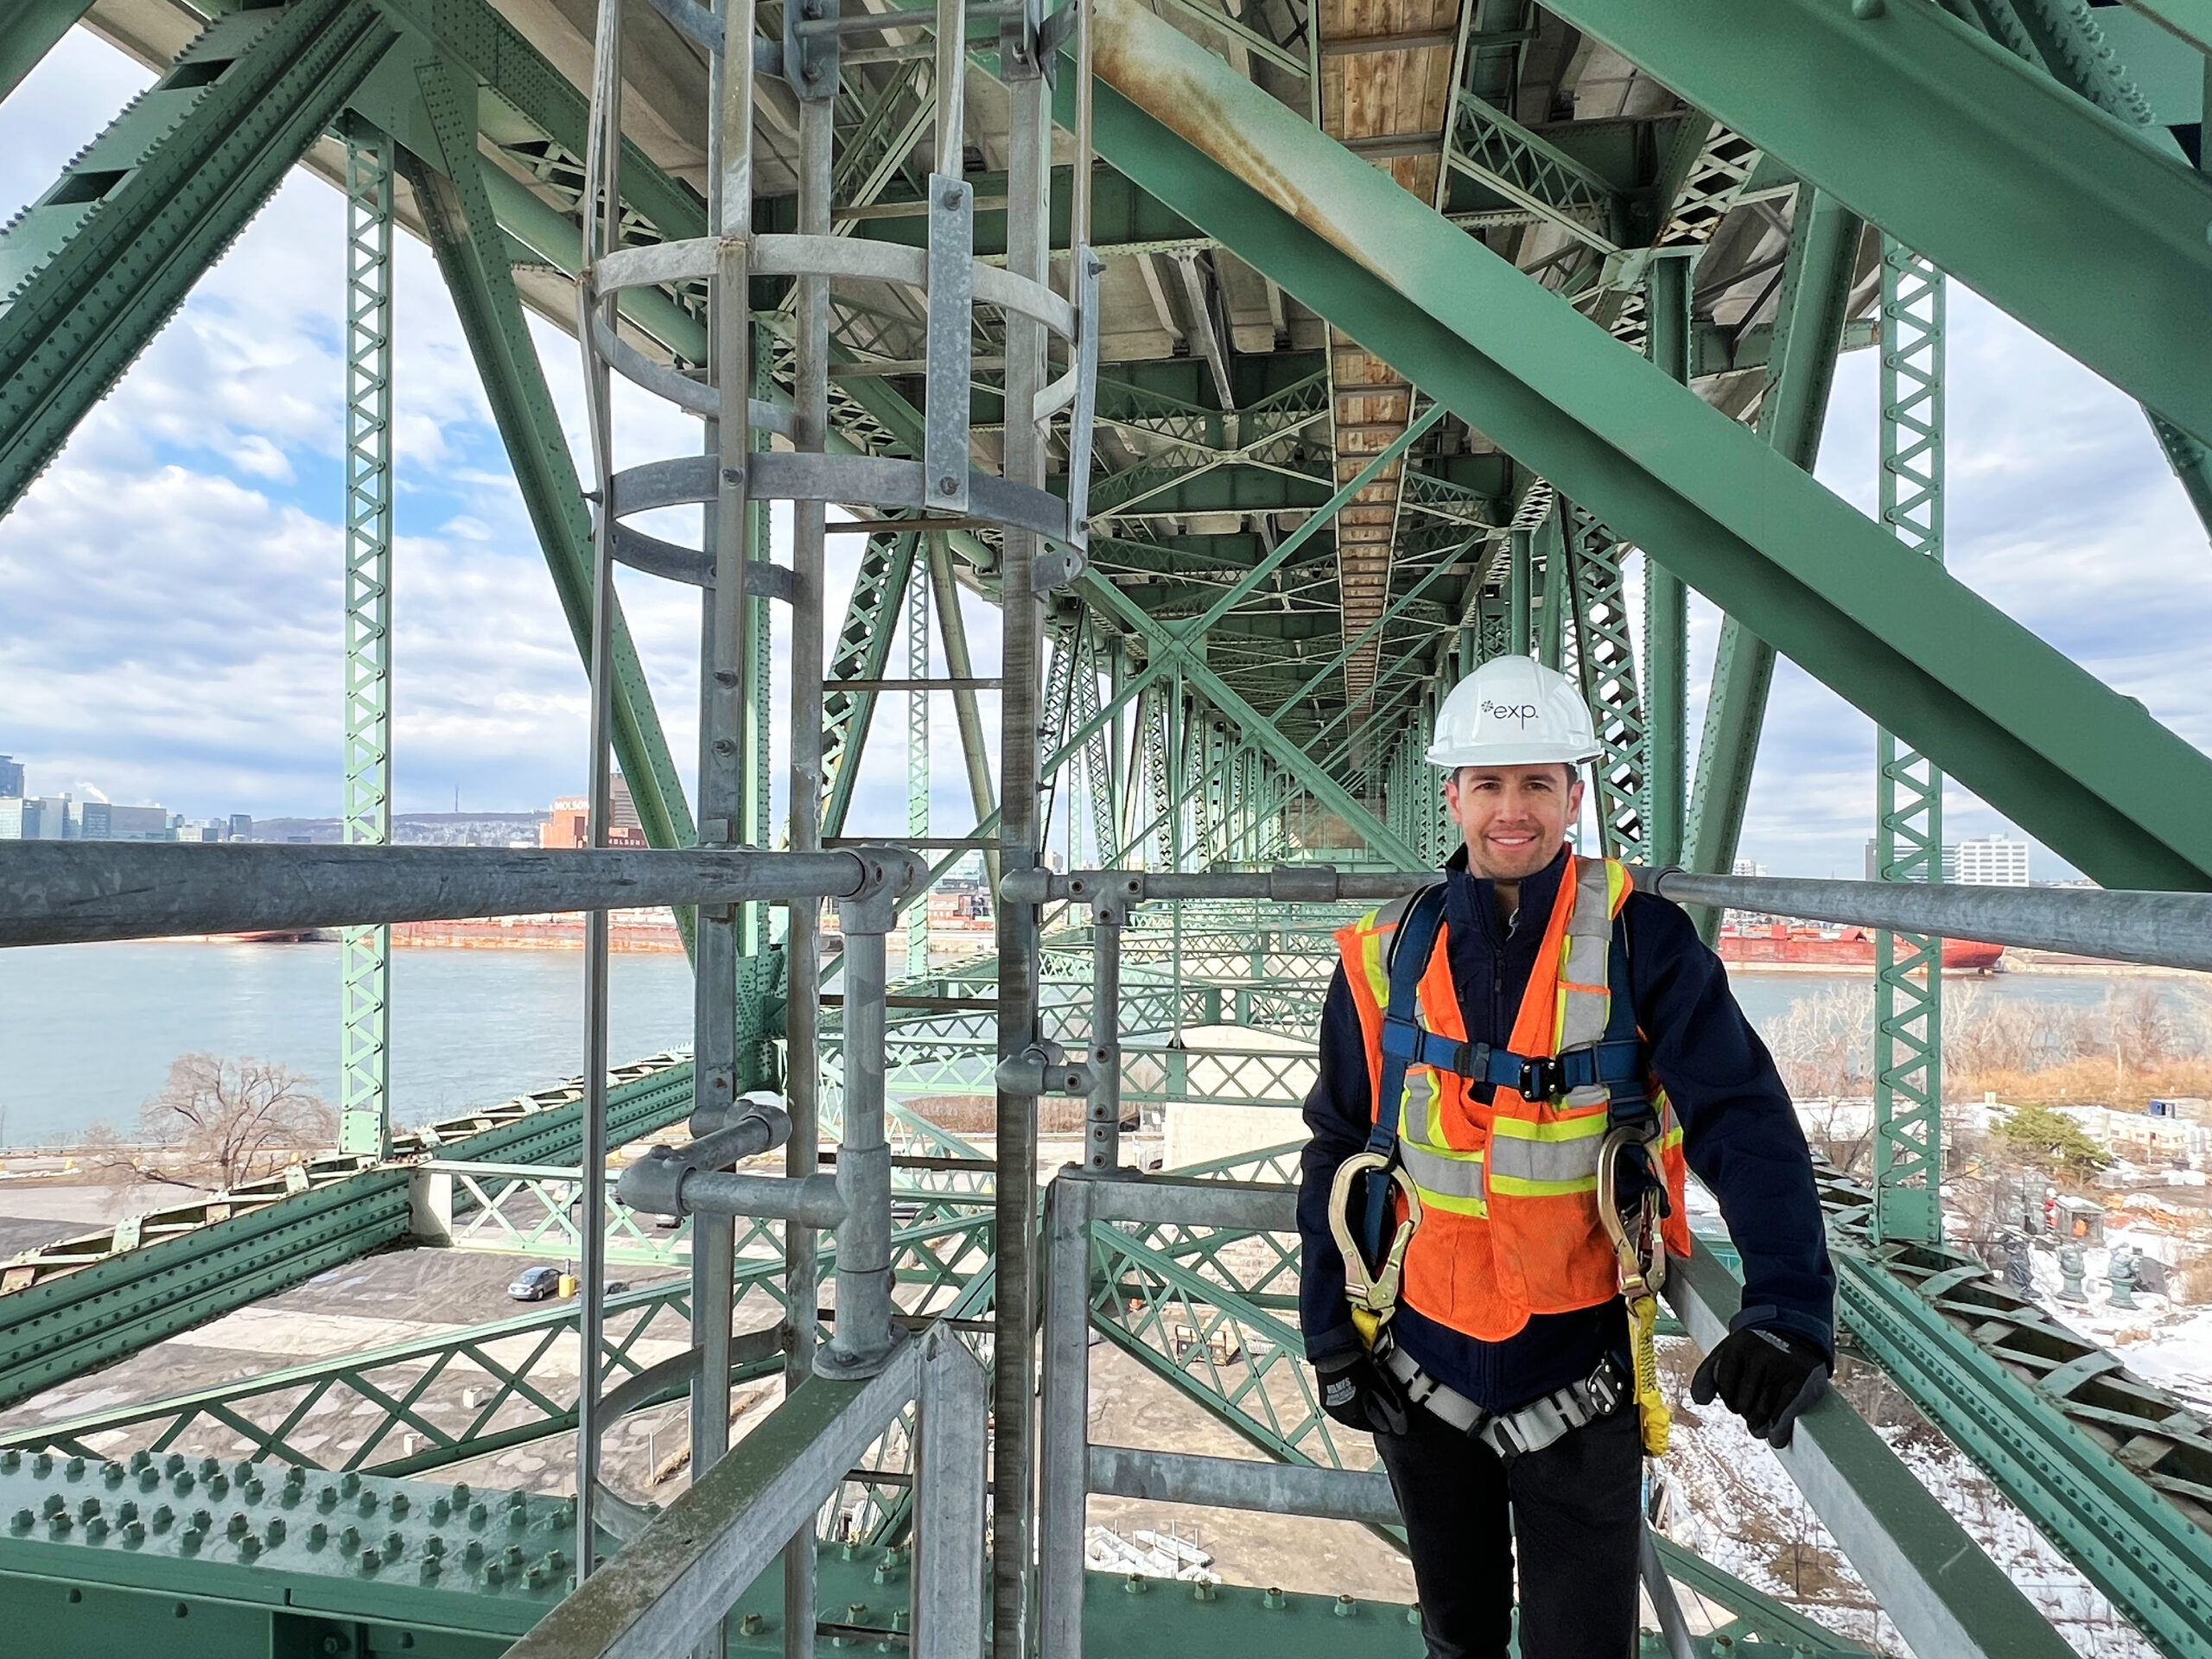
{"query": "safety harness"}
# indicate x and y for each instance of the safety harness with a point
(1629, 1179)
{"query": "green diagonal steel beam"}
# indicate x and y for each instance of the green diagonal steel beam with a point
(2086, 771)
(2040, 198)
(28, 30)
(90, 270)
(472, 256)
(1810, 320)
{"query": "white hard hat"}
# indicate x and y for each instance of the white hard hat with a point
(1513, 711)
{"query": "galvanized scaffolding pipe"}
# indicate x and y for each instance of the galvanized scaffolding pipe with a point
(602, 234)
(803, 959)
(1102, 1148)
(861, 1338)
(2165, 929)
(1013, 1365)
(725, 678)
(1287, 884)
(1063, 1426)
(63, 893)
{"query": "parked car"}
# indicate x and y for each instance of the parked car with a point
(536, 1284)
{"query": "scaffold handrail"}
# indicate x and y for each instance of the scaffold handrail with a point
(2157, 929)
(58, 892)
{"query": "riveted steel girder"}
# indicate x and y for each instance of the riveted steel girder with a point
(2085, 770)
(1994, 172)
(91, 269)
(253, 1244)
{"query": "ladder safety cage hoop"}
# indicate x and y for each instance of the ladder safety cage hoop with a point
(954, 281)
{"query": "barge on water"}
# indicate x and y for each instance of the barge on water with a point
(1801, 944)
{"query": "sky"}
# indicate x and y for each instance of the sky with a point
(170, 602)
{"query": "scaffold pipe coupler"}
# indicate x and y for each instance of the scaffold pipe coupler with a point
(656, 1182)
(762, 1106)
(1044, 1069)
(889, 875)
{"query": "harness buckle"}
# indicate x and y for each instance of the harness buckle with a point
(1540, 1077)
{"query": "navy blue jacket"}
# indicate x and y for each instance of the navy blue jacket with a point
(1741, 1135)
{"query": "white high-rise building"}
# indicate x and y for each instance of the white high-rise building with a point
(1993, 861)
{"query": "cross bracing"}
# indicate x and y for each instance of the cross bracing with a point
(1355, 433)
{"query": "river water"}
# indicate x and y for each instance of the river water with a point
(88, 1032)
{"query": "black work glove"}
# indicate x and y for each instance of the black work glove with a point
(1361, 1394)
(1766, 1377)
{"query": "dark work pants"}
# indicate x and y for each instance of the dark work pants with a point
(1571, 1510)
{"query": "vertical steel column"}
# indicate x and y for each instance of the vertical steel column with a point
(1559, 593)
(802, 948)
(1066, 1415)
(1516, 594)
(1909, 828)
(917, 762)
(365, 953)
(602, 235)
(1666, 598)
(1028, 226)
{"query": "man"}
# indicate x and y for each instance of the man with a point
(1556, 1016)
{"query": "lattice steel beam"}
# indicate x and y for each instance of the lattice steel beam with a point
(918, 764)
(1908, 787)
(88, 1302)
(1606, 665)
(365, 953)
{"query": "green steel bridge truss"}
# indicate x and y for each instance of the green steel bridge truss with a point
(1736, 235)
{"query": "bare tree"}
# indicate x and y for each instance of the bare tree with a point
(222, 1122)
(1823, 1045)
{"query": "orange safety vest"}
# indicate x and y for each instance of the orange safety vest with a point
(1509, 1190)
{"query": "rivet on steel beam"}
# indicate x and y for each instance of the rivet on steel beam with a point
(1866, 10)
(1275, 1600)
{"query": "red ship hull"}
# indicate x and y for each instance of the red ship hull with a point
(1849, 947)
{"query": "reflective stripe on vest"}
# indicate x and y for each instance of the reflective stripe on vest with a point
(1510, 1185)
